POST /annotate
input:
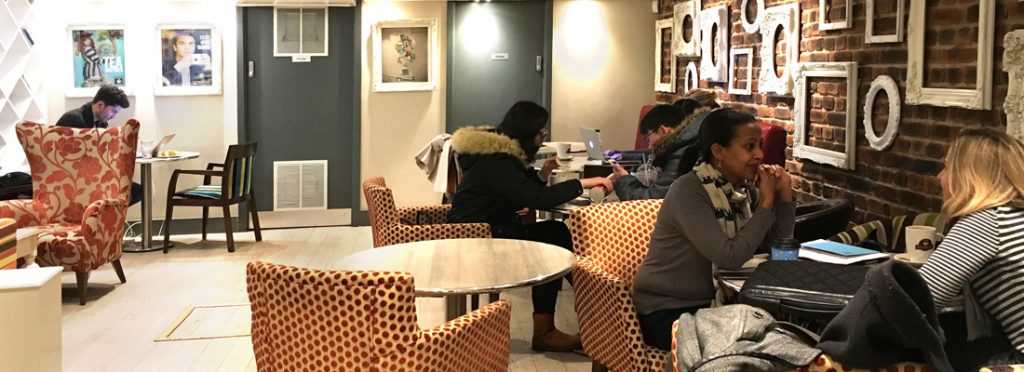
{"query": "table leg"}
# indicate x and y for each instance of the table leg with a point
(146, 170)
(454, 307)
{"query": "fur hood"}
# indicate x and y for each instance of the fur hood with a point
(484, 140)
(677, 138)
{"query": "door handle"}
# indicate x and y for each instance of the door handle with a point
(540, 63)
(252, 69)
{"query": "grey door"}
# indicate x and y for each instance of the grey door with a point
(493, 59)
(299, 110)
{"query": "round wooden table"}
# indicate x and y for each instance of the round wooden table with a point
(454, 268)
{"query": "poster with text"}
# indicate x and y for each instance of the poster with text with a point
(188, 57)
(98, 55)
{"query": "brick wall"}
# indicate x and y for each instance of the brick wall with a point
(901, 179)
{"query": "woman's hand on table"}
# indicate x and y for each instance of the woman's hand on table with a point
(602, 182)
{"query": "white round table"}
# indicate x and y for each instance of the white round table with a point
(454, 268)
(146, 167)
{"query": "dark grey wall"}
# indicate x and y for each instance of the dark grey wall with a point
(480, 89)
(302, 111)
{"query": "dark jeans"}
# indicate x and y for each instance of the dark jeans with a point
(656, 327)
(551, 232)
(971, 356)
(136, 194)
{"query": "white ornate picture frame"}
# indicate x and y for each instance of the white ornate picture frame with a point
(892, 92)
(711, 18)
(787, 16)
(736, 52)
(752, 26)
(396, 78)
(978, 98)
(1013, 64)
(825, 25)
(848, 71)
(670, 87)
(869, 34)
(691, 78)
(680, 12)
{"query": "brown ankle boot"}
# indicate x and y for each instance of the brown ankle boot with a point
(547, 338)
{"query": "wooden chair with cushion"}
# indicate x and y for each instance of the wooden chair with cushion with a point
(610, 241)
(235, 187)
(392, 225)
(889, 232)
(81, 180)
(320, 320)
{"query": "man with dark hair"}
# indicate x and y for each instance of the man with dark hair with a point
(663, 130)
(107, 103)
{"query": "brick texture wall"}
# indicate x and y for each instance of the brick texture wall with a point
(901, 179)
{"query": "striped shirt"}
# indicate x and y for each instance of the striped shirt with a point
(986, 250)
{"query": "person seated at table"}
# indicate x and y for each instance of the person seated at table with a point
(982, 256)
(105, 105)
(667, 131)
(712, 216)
(498, 183)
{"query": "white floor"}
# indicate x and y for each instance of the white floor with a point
(115, 330)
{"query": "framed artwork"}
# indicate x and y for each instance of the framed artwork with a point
(714, 24)
(97, 58)
(802, 149)
(870, 37)
(748, 69)
(788, 17)
(892, 93)
(685, 17)
(663, 83)
(190, 60)
(977, 98)
(405, 55)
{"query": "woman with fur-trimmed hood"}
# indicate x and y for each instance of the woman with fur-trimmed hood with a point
(498, 183)
(667, 130)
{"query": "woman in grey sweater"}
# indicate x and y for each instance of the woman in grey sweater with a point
(712, 216)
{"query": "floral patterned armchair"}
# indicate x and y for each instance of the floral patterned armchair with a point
(81, 180)
(392, 225)
(320, 320)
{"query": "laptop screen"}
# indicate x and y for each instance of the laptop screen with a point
(592, 141)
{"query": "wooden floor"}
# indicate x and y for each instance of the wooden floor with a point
(116, 329)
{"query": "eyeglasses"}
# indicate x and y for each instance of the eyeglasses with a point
(543, 133)
(647, 137)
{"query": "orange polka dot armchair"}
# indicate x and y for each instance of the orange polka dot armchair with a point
(610, 240)
(81, 180)
(392, 225)
(319, 320)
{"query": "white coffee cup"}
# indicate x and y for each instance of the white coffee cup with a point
(596, 195)
(562, 150)
(921, 242)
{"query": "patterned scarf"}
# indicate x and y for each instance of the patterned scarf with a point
(732, 207)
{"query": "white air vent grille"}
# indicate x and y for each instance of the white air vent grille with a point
(300, 185)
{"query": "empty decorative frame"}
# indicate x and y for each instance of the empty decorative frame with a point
(978, 98)
(1013, 63)
(825, 25)
(736, 52)
(883, 82)
(847, 70)
(691, 77)
(659, 44)
(716, 18)
(871, 38)
(683, 11)
(787, 16)
(405, 55)
(752, 25)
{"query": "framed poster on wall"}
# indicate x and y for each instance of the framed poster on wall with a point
(405, 55)
(190, 60)
(97, 58)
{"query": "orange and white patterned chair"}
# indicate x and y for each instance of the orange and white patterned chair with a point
(320, 320)
(824, 363)
(392, 225)
(81, 180)
(610, 241)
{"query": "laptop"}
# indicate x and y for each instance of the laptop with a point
(592, 141)
(160, 145)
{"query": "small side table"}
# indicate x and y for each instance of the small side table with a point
(146, 167)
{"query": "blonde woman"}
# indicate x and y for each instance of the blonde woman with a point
(983, 253)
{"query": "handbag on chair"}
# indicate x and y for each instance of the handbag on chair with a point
(807, 289)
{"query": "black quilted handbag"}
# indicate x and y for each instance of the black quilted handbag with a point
(805, 289)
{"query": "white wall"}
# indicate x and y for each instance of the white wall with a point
(207, 124)
(603, 68)
(395, 125)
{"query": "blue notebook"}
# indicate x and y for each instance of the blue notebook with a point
(839, 249)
